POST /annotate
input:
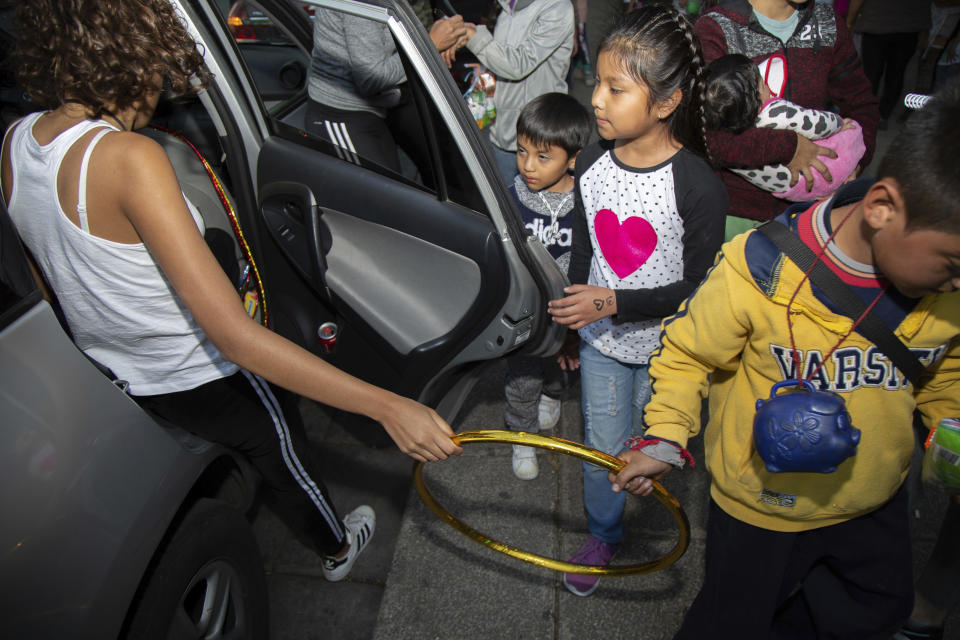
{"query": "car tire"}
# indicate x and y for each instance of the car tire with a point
(206, 581)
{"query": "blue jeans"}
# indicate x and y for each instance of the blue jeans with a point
(614, 395)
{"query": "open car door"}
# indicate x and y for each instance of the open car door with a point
(425, 272)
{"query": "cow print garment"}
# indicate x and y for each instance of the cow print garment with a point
(813, 124)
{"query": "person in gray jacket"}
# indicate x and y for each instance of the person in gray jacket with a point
(529, 53)
(356, 77)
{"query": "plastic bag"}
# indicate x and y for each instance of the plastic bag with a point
(941, 462)
(479, 95)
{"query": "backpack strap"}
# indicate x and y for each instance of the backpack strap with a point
(849, 303)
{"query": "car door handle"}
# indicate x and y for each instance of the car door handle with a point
(293, 218)
(317, 256)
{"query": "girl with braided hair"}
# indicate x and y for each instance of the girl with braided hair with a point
(648, 222)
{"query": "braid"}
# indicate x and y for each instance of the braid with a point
(699, 90)
(697, 119)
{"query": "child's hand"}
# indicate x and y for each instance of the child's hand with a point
(635, 476)
(569, 355)
(848, 123)
(582, 305)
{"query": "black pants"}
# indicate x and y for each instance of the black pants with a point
(526, 378)
(356, 134)
(940, 579)
(245, 413)
(886, 56)
(847, 581)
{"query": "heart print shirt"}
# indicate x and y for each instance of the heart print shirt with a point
(650, 234)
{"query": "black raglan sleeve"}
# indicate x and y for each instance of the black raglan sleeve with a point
(581, 248)
(702, 204)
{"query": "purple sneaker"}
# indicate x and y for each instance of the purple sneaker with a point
(593, 552)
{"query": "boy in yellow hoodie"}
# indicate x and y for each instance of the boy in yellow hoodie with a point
(805, 554)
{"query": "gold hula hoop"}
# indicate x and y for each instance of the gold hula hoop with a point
(577, 450)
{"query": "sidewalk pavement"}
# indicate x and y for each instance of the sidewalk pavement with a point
(421, 580)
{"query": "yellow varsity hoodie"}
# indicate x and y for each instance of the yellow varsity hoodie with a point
(730, 340)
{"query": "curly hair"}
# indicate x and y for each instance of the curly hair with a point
(105, 54)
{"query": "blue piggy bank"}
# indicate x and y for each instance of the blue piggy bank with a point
(808, 430)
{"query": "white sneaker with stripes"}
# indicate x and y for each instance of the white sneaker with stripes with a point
(360, 524)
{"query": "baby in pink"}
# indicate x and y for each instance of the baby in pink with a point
(737, 98)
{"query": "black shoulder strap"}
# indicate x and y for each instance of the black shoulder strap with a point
(871, 326)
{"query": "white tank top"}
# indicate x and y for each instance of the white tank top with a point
(120, 307)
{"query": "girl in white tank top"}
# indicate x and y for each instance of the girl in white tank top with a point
(121, 309)
(101, 210)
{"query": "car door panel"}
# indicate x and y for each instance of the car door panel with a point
(378, 198)
(291, 215)
(412, 291)
(412, 274)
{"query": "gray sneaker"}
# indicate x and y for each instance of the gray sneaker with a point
(359, 524)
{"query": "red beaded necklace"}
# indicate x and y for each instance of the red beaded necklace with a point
(795, 354)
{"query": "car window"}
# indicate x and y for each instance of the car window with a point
(459, 184)
(277, 65)
(250, 25)
(360, 98)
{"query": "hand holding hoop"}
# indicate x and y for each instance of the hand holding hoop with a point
(577, 450)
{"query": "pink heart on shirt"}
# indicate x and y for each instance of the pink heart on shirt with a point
(627, 246)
